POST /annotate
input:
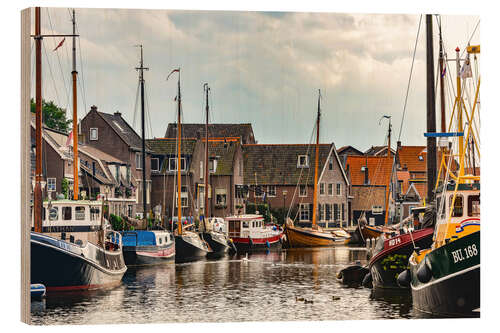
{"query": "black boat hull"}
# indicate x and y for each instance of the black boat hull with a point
(186, 251)
(454, 287)
(218, 245)
(149, 255)
(386, 265)
(62, 270)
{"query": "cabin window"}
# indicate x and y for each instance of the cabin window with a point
(94, 134)
(155, 164)
(303, 191)
(51, 184)
(330, 189)
(44, 213)
(54, 213)
(160, 240)
(339, 189)
(245, 224)
(94, 213)
(66, 213)
(138, 161)
(304, 212)
(271, 190)
(473, 205)
(458, 207)
(322, 189)
(80, 213)
(303, 161)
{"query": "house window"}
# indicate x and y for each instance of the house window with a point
(240, 191)
(473, 205)
(258, 191)
(339, 188)
(303, 161)
(271, 190)
(303, 191)
(220, 197)
(184, 197)
(51, 184)
(128, 174)
(328, 212)
(343, 212)
(138, 161)
(458, 207)
(330, 163)
(322, 189)
(336, 212)
(202, 174)
(330, 189)
(304, 212)
(321, 213)
(172, 164)
(94, 134)
(155, 164)
(212, 166)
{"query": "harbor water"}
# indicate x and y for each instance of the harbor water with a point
(296, 284)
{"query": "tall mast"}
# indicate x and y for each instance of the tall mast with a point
(316, 158)
(205, 215)
(143, 155)
(431, 113)
(460, 114)
(389, 180)
(38, 128)
(179, 208)
(441, 82)
(74, 74)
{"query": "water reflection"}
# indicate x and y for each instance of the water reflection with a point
(261, 287)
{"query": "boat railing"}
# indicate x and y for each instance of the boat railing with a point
(113, 240)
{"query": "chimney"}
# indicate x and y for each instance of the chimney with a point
(367, 181)
(117, 114)
(93, 108)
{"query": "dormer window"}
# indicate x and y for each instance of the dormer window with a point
(94, 134)
(172, 164)
(303, 161)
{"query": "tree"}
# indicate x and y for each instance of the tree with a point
(53, 116)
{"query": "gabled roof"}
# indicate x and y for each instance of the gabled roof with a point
(350, 150)
(277, 163)
(224, 151)
(121, 128)
(242, 131)
(378, 151)
(414, 158)
(379, 169)
(168, 146)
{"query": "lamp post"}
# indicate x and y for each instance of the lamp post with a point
(285, 192)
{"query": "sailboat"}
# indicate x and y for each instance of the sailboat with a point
(189, 246)
(146, 247)
(314, 236)
(445, 278)
(217, 241)
(72, 246)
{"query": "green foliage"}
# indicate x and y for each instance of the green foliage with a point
(65, 187)
(53, 116)
(262, 208)
(116, 222)
(280, 214)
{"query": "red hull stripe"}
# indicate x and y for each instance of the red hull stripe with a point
(271, 240)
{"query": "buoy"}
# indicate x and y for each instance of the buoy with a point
(267, 244)
(367, 281)
(404, 279)
(424, 273)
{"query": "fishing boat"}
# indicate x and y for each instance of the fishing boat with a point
(188, 244)
(146, 247)
(445, 278)
(217, 241)
(249, 233)
(72, 246)
(315, 236)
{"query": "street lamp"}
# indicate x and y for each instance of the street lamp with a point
(285, 192)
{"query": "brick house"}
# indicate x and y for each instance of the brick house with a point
(111, 134)
(225, 175)
(282, 175)
(242, 131)
(369, 176)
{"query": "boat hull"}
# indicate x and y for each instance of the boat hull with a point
(454, 288)
(299, 237)
(60, 269)
(386, 265)
(186, 250)
(149, 255)
(217, 242)
(257, 244)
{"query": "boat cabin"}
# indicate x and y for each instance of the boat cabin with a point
(250, 225)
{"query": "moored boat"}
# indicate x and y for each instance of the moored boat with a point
(148, 247)
(248, 233)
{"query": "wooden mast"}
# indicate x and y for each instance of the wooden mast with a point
(316, 158)
(37, 204)
(205, 213)
(143, 131)
(389, 180)
(431, 113)
(179, 208)
(74, 74)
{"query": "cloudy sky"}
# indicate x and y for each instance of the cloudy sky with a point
(264, 68)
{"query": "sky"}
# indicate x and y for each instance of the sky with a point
(263, 68)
